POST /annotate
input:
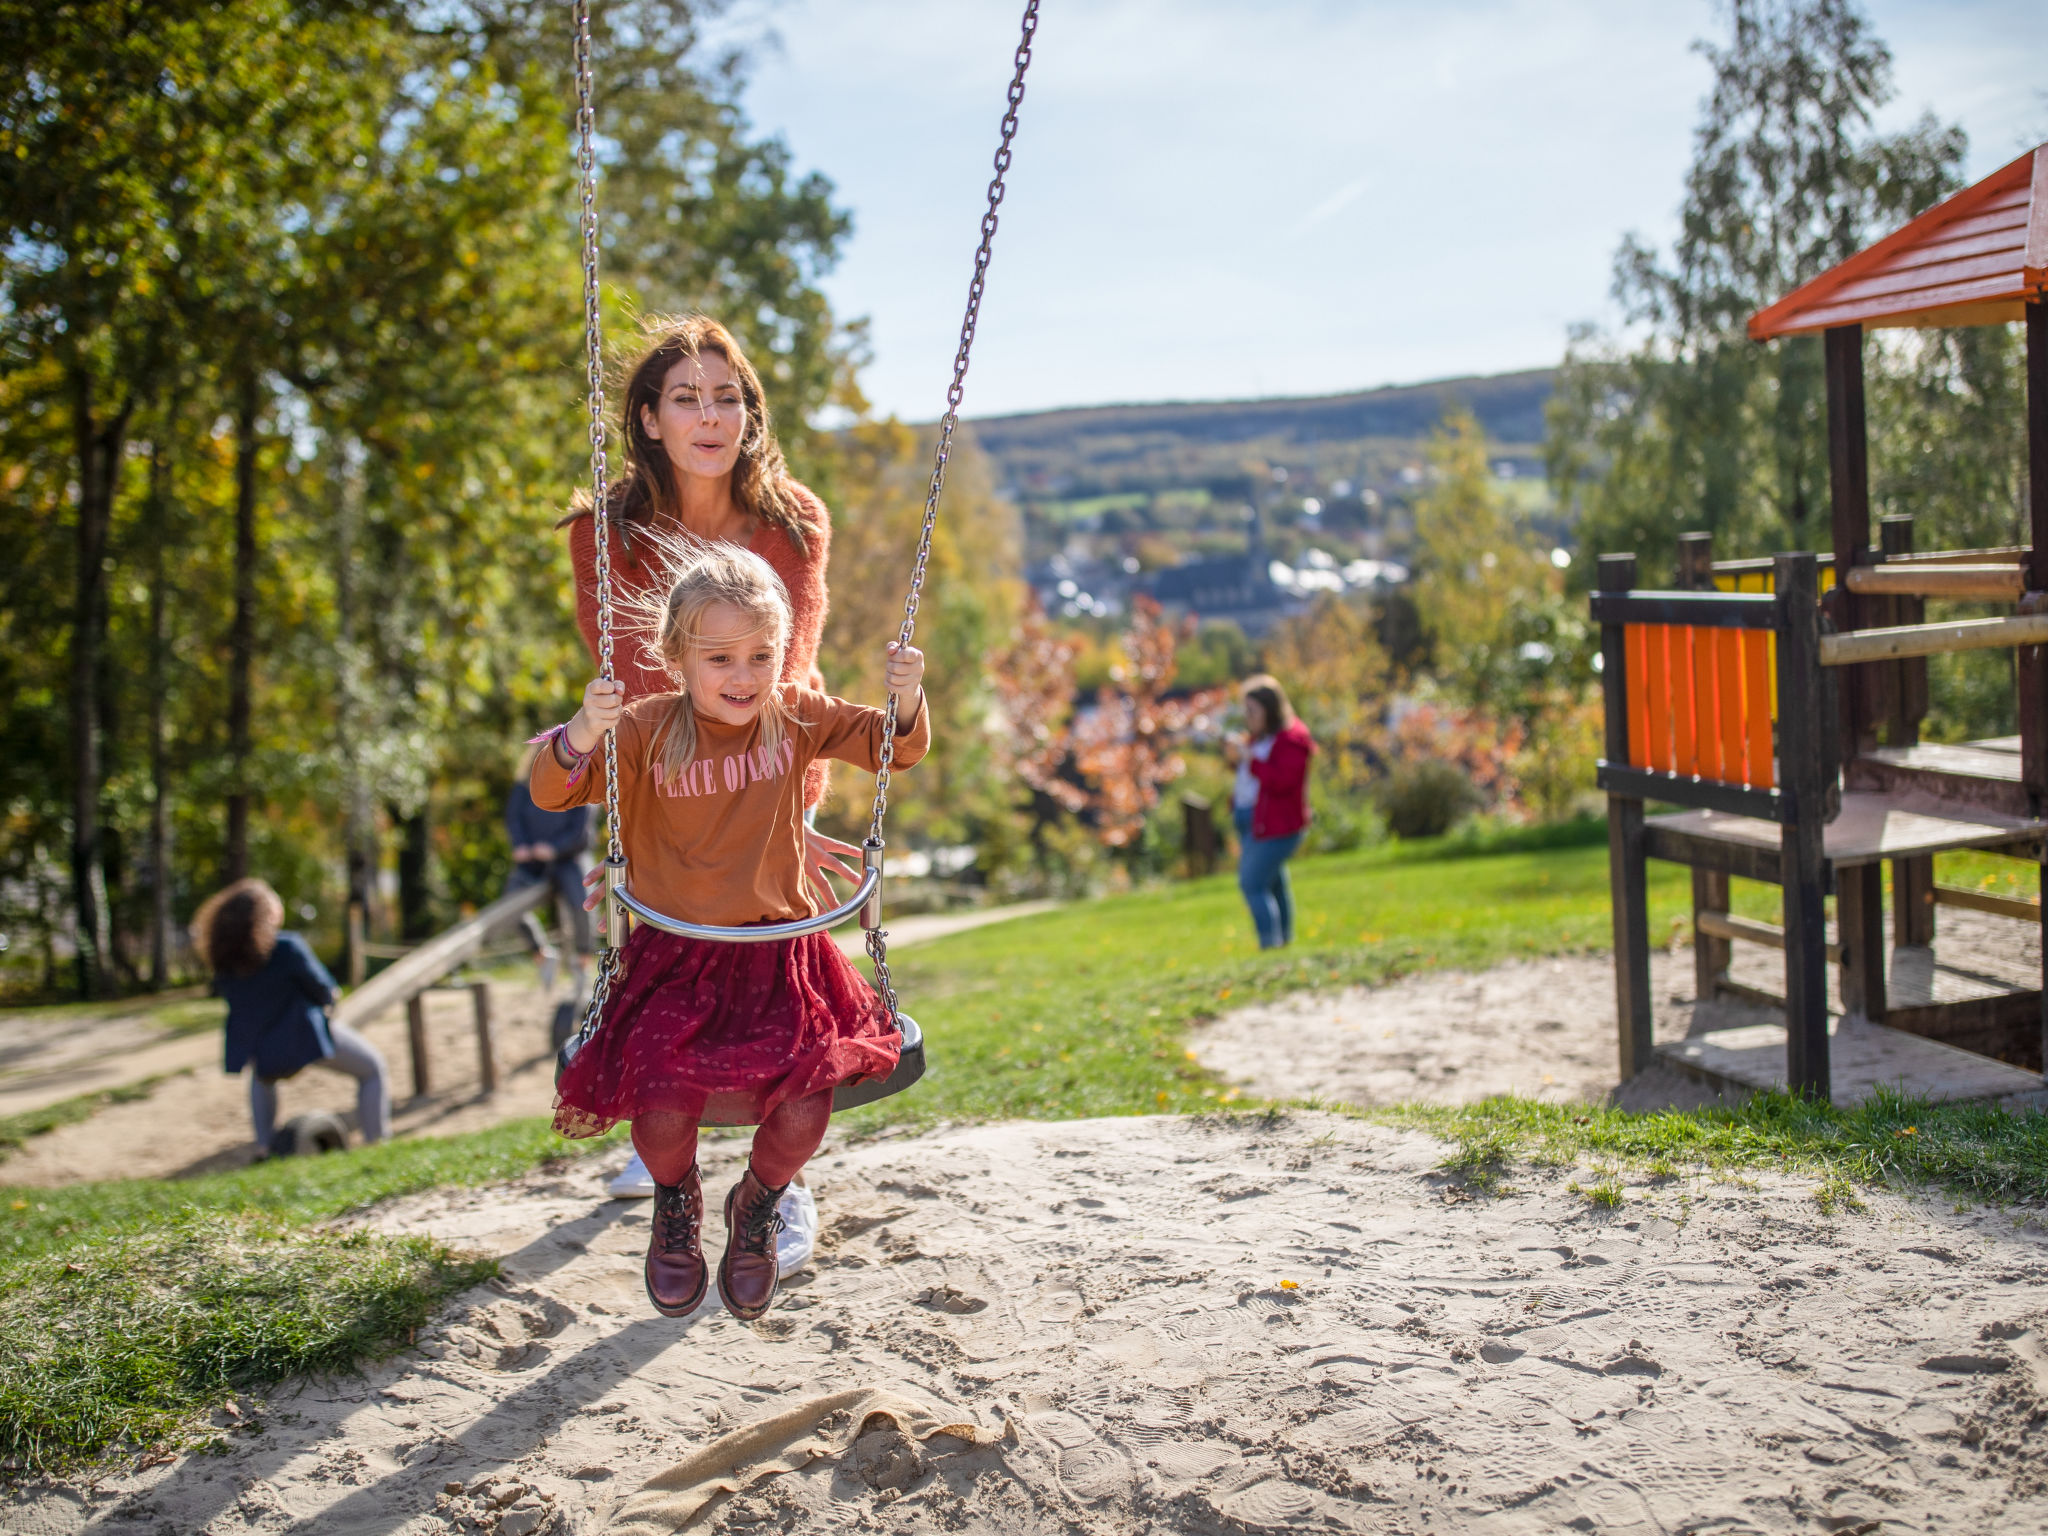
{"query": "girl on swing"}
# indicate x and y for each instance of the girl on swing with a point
(702, 463)
(712, 775)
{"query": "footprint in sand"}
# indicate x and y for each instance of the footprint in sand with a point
(1087, 1468)
(1270, 1503)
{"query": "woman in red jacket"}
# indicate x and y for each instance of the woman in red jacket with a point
(1269, 804)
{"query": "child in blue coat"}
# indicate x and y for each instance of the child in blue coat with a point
(278, 994)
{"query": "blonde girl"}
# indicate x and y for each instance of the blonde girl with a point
(711, 796)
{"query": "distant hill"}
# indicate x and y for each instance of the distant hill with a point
(1112, 449)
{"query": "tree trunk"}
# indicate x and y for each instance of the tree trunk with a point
(98, 446)
(242, 631)
(159, 819)
(359, 830)
(415, 900)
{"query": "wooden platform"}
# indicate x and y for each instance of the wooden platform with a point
(1871, 827)
(1861, 1057)
(1974, 776)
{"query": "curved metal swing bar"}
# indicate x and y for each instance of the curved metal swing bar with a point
(761, 933)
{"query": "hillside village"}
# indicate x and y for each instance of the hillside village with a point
(1239, 512)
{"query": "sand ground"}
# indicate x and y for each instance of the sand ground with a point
(1175, 1325)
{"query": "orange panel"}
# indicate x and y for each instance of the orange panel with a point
(1638, 648)
(1728, 682)
(1659, 690)
(1756, 705)
(1684, 686)
(1706, 704)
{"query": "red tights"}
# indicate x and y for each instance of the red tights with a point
(783, 1142)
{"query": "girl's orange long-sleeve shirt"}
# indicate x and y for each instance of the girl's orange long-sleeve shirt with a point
(724, 842)
(633, 573)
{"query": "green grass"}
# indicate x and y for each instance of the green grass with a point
(120, 1340)
(1084, 1011)
(16, 1129)
(289, 1189)
(131, 1307)
(1890, 1140)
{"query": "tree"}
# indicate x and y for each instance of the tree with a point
(1698, 427)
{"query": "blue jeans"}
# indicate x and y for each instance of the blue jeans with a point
(565, 874)
(1262, 876)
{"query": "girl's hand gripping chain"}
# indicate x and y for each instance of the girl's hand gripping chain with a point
(904, 676)
(603, 703)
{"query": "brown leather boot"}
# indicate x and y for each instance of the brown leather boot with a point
(676, 1272)
(747, 1273)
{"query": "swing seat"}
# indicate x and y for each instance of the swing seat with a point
(909, 1068)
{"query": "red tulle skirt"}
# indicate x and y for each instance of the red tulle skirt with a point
(724, 1033)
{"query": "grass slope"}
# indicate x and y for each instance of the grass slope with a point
(1083, 1011)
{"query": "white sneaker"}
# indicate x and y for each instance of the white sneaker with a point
(798, 1238)
(633, 1183)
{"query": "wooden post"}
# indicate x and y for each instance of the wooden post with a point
(1628, 873)
(1198, 835)
(2031, 661)
(1802, 798)
(1711, 954)
(486, 1046)
(1859, 924)
(1912, 879)
(416, 1029)
(1849, 498)
(1696, 562)
(357, 938)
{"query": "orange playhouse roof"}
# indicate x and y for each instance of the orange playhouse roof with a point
(1973, 260)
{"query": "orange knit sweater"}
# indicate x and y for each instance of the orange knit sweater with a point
(802, 573)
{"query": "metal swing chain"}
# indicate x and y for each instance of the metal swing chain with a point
(878, 938)
(600, 475)
(586, 160)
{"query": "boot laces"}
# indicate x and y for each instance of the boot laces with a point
(675, 1222)
(761, 1219)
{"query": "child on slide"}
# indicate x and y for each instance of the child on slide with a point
(695, 1031)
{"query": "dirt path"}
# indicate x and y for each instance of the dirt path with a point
(1189, 1326)
(199, 1121)
(1541, 1028)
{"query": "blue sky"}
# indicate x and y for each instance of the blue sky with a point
(1292, 197)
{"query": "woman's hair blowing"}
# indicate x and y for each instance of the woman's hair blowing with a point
(236, 929)
(704, 576)
(761, 483)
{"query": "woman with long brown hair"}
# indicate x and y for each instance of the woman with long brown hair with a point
(278, 996)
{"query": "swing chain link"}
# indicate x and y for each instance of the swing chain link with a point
(878, 938)
(600, 475)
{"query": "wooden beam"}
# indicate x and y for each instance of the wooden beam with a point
(1726, 925)
(1710, 953)
(1801, 750)
(2027, 909)
(416, 1036)
(429, 962)
(1859, 921)
(1983, 583)
(2021, 629)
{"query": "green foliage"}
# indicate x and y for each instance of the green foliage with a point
(317, 265)
(1426, 798)
(1697, 428)
(124, 1338)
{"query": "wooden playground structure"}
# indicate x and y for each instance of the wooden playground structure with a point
(1779, 703)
